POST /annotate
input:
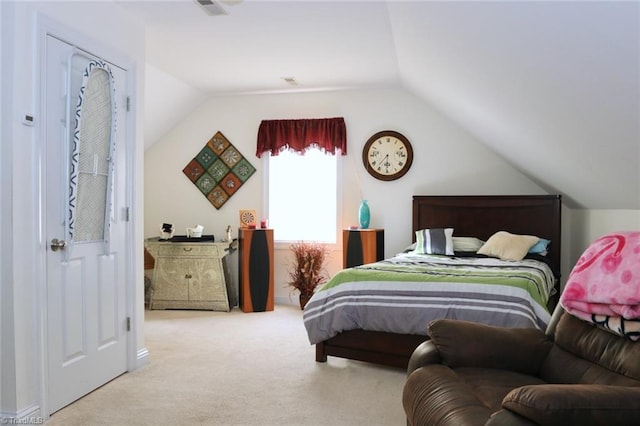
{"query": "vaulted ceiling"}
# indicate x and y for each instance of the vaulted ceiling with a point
(553, 87)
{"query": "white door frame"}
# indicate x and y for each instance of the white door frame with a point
(47, 26)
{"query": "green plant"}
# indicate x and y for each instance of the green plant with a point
(307, 269)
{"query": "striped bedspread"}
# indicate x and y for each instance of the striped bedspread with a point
(402, 294)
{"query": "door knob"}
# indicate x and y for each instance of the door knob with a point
(57, 244)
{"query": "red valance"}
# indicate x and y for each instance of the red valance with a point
(327, 134)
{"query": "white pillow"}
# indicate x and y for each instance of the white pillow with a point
(507, 246)
(467, 244)
(411, 248)
(434, 241)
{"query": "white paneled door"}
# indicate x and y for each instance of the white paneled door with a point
(84, 212)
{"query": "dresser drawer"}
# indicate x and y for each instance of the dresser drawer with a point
(182, 250)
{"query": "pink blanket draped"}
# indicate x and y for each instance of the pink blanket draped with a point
(604, 285)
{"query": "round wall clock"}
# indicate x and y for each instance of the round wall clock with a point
(387, 155)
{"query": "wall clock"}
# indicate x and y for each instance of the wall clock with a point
(387, 155)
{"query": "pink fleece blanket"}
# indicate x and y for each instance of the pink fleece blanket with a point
(604, 285)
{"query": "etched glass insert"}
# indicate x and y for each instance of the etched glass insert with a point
(91, 157)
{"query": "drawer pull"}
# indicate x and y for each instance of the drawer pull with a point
(187, 249)
(188, 276)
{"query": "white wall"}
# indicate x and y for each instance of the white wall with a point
(22, 266)
(166, 97)
(447, 161)
(589, 225)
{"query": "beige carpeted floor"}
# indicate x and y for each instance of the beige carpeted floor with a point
(217, 368)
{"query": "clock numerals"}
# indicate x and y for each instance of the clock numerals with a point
(401, 156)
(394, 156)
(374, 155)
(385, 165)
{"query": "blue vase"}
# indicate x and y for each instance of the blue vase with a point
(364, 214)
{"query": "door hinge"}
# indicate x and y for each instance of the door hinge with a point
(128, 103)
(128, 323)
(126, 214)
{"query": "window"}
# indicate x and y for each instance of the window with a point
(302, 196)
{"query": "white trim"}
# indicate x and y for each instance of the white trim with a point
(46, 26)
(29, 415)
(291, 300)
(142, 358)
(133, 254)
(340, 201)
(40, 270)
(6, 180)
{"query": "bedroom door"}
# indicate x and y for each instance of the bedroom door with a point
(84, 206)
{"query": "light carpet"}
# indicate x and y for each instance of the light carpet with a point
(218, 368)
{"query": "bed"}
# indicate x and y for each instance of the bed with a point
(469, 216)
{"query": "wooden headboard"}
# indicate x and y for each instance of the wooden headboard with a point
(482, 215)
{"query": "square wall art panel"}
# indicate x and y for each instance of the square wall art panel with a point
(218, 170)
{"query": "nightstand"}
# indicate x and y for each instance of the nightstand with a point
(362, 246)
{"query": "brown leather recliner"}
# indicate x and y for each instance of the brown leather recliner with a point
(474, 374)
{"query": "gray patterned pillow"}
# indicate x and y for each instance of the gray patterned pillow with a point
(434, 241)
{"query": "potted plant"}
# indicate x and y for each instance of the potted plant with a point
(307, 269)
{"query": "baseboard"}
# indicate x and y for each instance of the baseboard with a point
(30, 415)
(282, 300)
(142, 358)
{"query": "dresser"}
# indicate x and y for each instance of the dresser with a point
(189, 275)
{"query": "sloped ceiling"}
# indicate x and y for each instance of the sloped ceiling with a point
(553, 87)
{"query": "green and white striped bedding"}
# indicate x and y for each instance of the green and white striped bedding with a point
(402, 294)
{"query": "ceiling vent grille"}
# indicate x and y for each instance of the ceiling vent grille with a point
(211, 7)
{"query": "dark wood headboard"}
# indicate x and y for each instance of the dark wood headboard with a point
(482, 215)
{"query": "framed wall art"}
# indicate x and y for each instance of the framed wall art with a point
(219, 170)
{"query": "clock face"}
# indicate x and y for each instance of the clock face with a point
(387, 155)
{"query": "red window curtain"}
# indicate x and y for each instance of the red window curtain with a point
(327, 134)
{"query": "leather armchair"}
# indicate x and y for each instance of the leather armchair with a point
(474, 374)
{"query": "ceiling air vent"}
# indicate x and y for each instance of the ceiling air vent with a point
(290, 80)
(212, 7)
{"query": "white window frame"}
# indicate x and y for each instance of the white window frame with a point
(285, 244)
